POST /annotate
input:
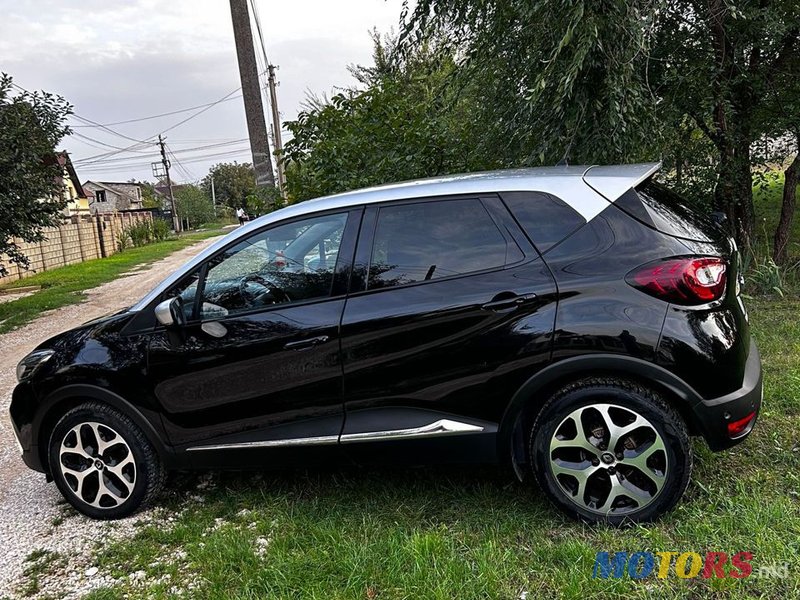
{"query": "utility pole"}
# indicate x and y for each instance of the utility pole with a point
(276, 129)
(213, 197)
(254, 110)
(176, 223)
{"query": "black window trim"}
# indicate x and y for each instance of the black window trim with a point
(364, 249)
(349, 237)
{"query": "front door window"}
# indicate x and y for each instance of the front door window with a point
(288, 263)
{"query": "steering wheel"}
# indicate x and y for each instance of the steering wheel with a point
(263, 289)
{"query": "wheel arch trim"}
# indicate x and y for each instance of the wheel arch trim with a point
(88, 392)
(586, 366)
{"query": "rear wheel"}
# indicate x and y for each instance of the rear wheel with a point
(608, 450)
(102, 462)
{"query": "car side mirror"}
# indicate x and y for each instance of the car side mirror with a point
(170, 312)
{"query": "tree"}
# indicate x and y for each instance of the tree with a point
(233, 182)
(31, 180)
(194, 205)
(405, 120)
(608, 81)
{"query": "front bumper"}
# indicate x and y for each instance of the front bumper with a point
(23, 405)
(713, 416)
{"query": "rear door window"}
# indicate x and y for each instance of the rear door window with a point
(435, 239)
(546, 219)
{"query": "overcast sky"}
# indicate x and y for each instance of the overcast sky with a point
(116, 61)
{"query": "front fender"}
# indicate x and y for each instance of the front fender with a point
(57, 402)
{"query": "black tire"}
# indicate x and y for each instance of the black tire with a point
(558, 416)
(131, 486)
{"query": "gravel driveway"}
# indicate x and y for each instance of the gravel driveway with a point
(32, 513)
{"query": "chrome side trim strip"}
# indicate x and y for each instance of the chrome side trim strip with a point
(438, 428)
(306, 441)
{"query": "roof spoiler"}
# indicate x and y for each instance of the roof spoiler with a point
(614, 180)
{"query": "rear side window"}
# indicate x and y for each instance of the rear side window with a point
(430, 240)
(546, 219)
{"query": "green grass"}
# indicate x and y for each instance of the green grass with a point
(475, 533)
(767, 200)
(38, 563)
(65, 285)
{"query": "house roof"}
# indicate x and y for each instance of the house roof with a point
(63, 160)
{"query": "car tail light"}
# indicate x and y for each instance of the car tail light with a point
(280, 260)
(737, 428)
(682, 280)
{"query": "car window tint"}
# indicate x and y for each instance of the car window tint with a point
(288, 263)
(546, 219)
(430, 240)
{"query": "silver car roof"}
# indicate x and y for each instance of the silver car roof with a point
(588, 189)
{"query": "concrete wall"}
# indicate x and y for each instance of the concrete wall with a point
(77, 239)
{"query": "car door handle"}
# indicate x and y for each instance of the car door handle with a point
(505, 301)
(307, 343)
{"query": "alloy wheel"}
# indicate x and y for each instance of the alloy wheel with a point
(608, 459)
(97, 464)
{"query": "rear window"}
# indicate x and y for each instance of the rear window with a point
(664, 210)
(546, 219)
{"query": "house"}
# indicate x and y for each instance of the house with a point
(161, 190)
(73, 192)
(112, 196)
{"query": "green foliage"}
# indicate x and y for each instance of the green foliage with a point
(123, 240)
(409, 122)
(233, 182)
(149, 197)
(31, 180)
(140, 233)
(194, 205)
(159, 230)
(143, 233)
(263, 200)
(621, 80)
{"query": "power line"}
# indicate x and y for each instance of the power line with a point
(156, 153)
(142, 164)
(166, 114)
(105, 128)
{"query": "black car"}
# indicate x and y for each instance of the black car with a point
(575, 323)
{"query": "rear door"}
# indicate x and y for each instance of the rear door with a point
(451, 309)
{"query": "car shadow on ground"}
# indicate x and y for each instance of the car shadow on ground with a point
(440, 493)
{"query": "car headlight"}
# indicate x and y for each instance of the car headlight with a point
(33, 361)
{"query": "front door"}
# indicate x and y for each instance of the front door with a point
(451, 310)
(255, 374)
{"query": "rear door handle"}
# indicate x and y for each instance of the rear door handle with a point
(307, 343)
(506, 302)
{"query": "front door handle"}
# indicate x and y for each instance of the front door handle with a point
(306, 343)
(507, 301)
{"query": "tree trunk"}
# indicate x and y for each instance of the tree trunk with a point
(734, 191)
(780, 251)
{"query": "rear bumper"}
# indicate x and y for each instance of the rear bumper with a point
(713, 416)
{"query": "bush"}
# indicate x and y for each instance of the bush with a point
(139, 233)
(123, 240)
(160, 230)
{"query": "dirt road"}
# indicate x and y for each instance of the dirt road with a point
(32, 514)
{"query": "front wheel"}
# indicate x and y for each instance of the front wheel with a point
(609, 450)
(102, 462)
